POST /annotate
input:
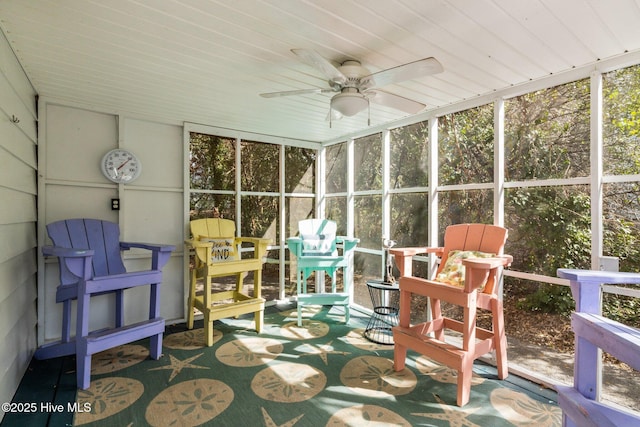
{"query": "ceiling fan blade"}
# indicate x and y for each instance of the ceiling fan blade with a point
(412, 70)
(294, 92)
(395, 101)
(313, 58)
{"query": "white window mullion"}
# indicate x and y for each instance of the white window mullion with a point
(350, 187)
(283, 226)
(386, 195)
(433, 182)
(498, 163)
(350, 211)
(433, 189)
(238, 185)
(596, 169)
(321, 183)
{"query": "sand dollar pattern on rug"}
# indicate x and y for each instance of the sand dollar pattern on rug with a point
(374, 376)
(370, 415)
(288, 382)
(356, 338)
(310, 329)
(189, 403)
(189, 340)
(107, 396)
(117, 358)
(249, 351)
(516, 407)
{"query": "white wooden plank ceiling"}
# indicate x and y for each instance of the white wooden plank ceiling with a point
(207, 61)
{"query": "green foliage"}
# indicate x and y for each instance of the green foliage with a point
(622, 309)
(465, 146)
(550, 299)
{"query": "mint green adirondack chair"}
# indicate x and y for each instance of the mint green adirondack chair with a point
(315, 249)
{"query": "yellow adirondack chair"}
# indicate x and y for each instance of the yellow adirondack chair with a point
(467, 277)
(217, 254)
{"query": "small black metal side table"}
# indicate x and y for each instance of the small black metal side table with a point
(385, 297)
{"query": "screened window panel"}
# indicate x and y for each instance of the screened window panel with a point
(464, 206)
(409, 156)
(336, 170)
(409, 219)
(208, 205)
(211, 162)
(549, 228)
(368, 163)
(260, 217)
(465, 146)
(366, 267)
(297, 209)
(621, 123)
(336, 210)
(260, 166)
(300, 167)
(368, 221)
(547, 133)
(621, 231)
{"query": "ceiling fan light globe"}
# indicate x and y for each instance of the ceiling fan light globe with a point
(349, 104)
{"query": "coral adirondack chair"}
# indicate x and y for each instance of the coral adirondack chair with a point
(89, 255)
(467, 276)
(581, 404)
(316, 249)
(217, 254)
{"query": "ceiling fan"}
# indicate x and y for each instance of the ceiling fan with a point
(357, 86)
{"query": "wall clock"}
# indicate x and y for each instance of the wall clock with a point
(121, 166)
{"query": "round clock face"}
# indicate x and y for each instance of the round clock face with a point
(121, 166)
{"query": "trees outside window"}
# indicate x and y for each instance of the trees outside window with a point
(465, 146)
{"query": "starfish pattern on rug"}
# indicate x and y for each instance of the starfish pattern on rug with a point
(323, 351)
(176, 366)
(455, 416)
(268, 421)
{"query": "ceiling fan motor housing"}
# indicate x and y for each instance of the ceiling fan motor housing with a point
(354, 72)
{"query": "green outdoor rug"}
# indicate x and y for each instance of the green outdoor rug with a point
(321, 374)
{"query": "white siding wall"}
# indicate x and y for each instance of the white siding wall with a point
(72, 141)
(17, 222)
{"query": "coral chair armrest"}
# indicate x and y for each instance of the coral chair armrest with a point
(488, 263)
(78, 261)
(404, 256)
(479, 269)
(160, 252)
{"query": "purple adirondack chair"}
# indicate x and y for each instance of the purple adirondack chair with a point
(581, 404)
(89, 255)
